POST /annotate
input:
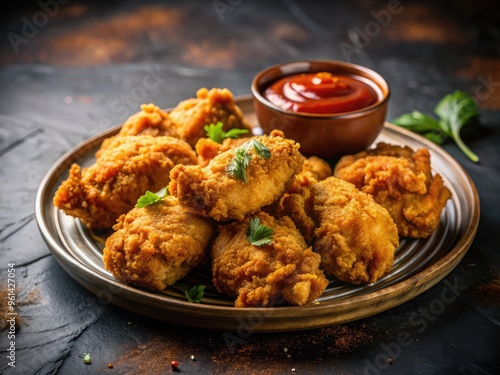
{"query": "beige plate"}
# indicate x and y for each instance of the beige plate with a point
(419, 264)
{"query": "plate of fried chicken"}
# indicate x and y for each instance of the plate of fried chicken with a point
(193, 216)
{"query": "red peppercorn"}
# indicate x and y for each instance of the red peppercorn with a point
(175, 365)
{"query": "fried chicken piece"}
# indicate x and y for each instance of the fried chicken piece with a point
(297, 201)
(212, 191)
(157, 245)
(209, 107)
(355, 236)
(400, 180)
(314, 168)
(123, 171)
(207, 149)
(151, 120)
(285, 270)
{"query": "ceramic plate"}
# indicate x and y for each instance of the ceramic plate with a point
(419, 264)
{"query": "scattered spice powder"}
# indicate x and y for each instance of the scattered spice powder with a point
(312, 346)
(32, 297)
(307, 348)
(489, 293)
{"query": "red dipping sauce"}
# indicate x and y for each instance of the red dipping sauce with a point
(322, 93)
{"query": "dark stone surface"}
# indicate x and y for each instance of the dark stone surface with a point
(76, 77)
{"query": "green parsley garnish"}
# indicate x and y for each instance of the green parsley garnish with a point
(454, 111)
(239, 164)
(151, 198)
(195, 294)
(215, 132)
(86, 358)
(258, 234)
(241, 159)
(261, 150)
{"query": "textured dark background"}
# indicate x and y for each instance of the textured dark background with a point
(75, 75)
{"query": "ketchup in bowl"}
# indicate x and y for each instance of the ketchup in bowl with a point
(321, 93)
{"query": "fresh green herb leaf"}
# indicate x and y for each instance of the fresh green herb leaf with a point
(151, 198)
(195, 294)
(436, 137)
(239, 164)
(454, 111)
(86, 358)
(260, 149)
(258, 234)
(416, 121)
(217, 134)
(235, 133)
(241, 159)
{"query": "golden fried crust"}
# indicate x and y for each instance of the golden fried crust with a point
(123, 171)
(211, 191)
(401, 181)
(207, 149)
(285, 270)
(209, 107)
(316, 168)
(297, 201)
(355, 237)
(151, 120)
(157, 245)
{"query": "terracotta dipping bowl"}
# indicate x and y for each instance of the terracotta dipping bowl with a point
(324, 135)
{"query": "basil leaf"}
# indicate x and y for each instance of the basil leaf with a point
(456, 110)
(416, 121)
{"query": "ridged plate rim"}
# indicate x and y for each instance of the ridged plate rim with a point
(73, 256)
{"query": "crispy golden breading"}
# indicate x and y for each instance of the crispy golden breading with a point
(401, 181)
(157, 245)
(123, 171)
(212, 191)
(207, 149)
(314, 168)
(355, 237)
(209, 107)
(297, 201)
(285, 270)
(151, 120)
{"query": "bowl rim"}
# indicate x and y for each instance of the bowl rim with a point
(343, 64)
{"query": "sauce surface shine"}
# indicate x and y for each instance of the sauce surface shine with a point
(322, 93)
